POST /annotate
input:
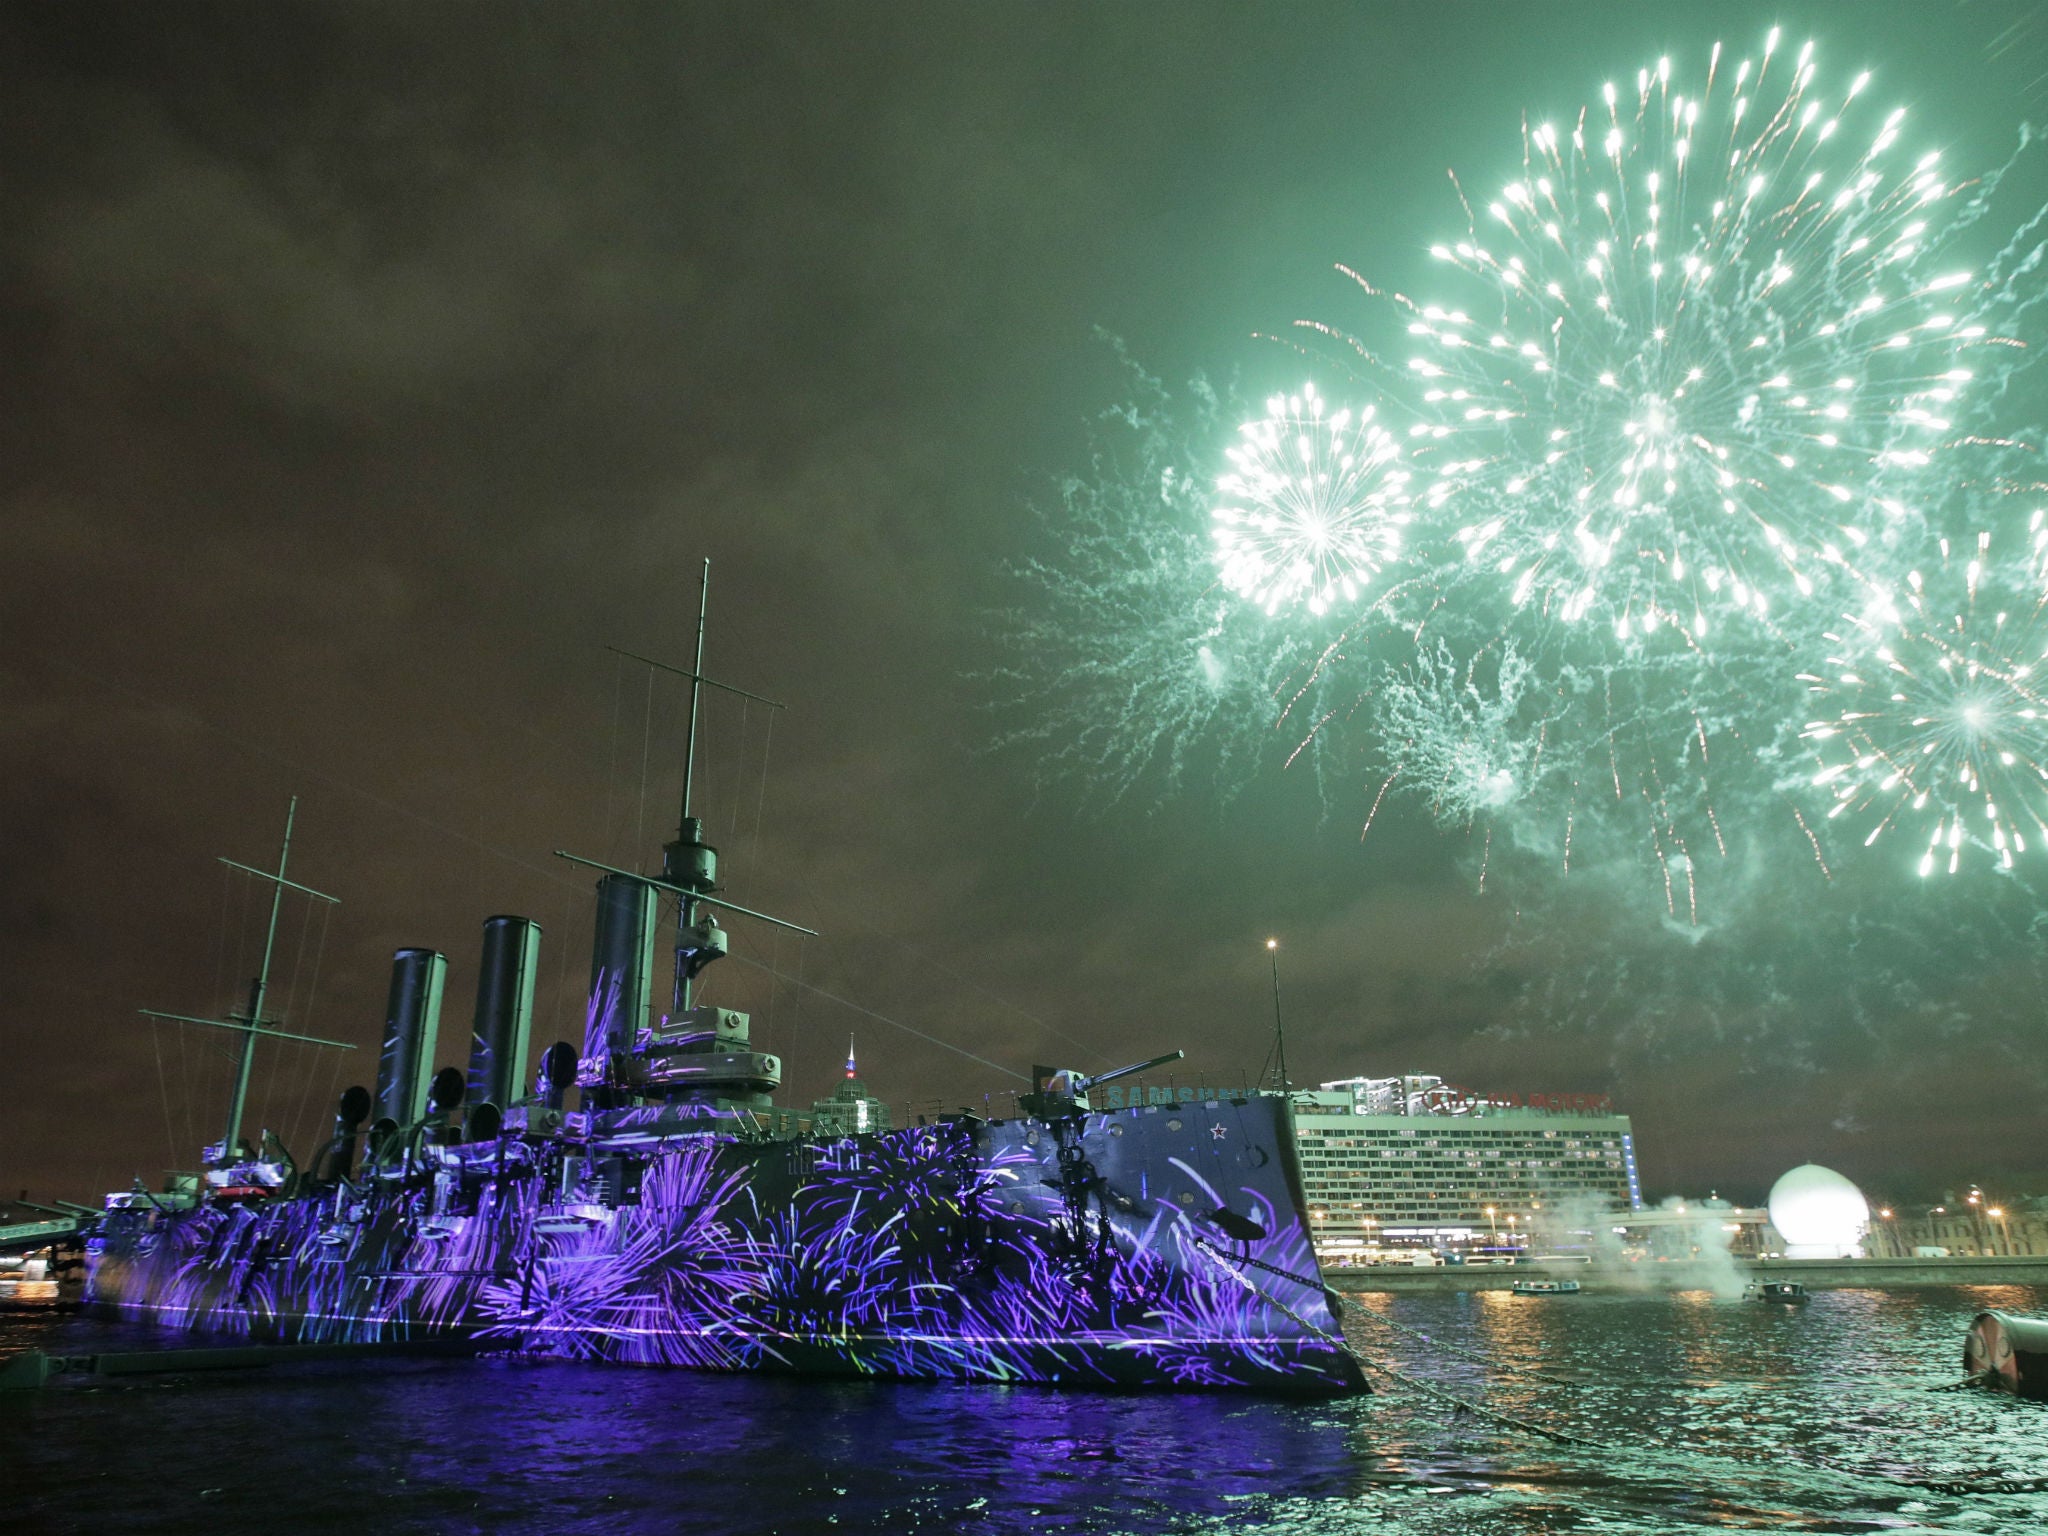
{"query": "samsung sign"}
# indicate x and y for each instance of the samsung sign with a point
(1451, 1099)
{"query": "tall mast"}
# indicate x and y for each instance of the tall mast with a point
(257, 987)
(689, 871)
(251, 1024)
(696, 872)
(696, 692)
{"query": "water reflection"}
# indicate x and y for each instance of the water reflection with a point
(1708, 1415)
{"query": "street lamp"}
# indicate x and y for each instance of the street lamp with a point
(1279, 1033)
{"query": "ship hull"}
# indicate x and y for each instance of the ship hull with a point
(1156, 1247)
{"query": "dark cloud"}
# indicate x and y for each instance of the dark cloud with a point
(369, 367)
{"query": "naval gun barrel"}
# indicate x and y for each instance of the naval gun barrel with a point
(1144, 1066)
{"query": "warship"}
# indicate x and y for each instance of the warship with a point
(672, 1215)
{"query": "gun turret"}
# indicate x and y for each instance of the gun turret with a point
(1063, 1091)
(1083, 1084)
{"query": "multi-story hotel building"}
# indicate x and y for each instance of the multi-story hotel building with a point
(1414, 1162)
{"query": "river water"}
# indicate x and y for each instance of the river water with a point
(1704, 1415)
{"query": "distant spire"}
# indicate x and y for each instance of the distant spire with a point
(849, 1056)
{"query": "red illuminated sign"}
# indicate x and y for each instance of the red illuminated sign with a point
(1452, 1099)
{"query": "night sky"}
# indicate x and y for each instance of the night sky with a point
(370, 368)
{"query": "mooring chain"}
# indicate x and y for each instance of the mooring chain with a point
(1469, 1354)
(1527, 1426)
(1465, 1405)
(1947, 1485)
(1993, 1485)
(1450, 1349)
(1312, 1283)
(1461, 1404)
(1230, 1264)
(1982, 1378)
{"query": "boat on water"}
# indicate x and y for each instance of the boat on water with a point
(1544, 1287)
(26, 1283)
(1786, 1292)
(672, 1215)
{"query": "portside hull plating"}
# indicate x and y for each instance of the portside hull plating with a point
(1157, 1247)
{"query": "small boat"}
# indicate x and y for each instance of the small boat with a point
(1791, 1292)
(1545, 1287)
(26, 1284)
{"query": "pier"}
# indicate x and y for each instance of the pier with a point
(1814, 1274)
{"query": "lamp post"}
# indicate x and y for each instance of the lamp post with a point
(1492, 1226)
(1279, 1031)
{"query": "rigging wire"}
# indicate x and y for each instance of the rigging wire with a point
(319, 955)
(310, 1055)
(562, 971)
(611, 767)
(220, 990)
(185, 1087)
(945, 970)
(163, 1089)
(241, 945)
(909, 1029)
(311, 1052)
(542, 872)
(739, 772)
(761, 803)
(333, 1080)
(796, 1000)
(291, 992)
(646, 736)
(241, 942)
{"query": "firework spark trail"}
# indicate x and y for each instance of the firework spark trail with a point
(1577, 757)
(1934, 706)
(1708, 344)
(1712, 361)
(1721, 359)
(1464, 746)
(1128, 663)
(1313, 506)
(1131, 666)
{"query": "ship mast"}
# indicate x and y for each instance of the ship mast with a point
(253, 1023)
(696, 690)
(677, 856)
(689, 872)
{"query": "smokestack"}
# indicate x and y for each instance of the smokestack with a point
(412, 1020)
(621, 973)
(504, 1011)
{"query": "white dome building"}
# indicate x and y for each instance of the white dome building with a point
(1820, 1214)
